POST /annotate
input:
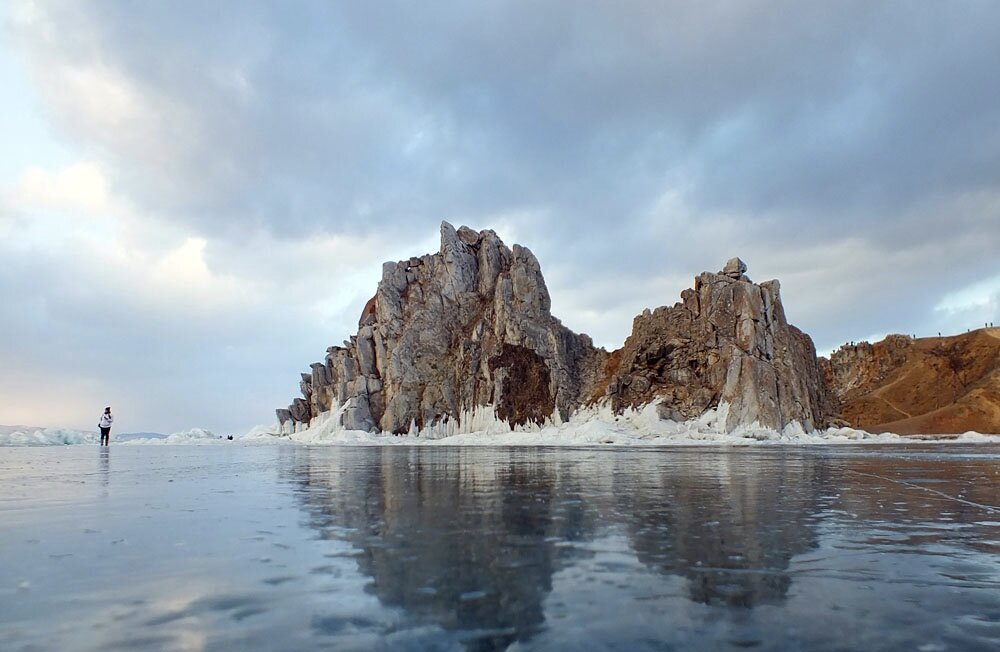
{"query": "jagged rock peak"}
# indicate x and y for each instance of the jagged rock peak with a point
(470, 326)
(448, 332)
(726, 343)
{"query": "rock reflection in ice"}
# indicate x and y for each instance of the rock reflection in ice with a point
(500, 549)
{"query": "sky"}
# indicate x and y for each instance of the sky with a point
(196, 198)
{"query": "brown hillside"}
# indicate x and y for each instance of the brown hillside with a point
(932, 385)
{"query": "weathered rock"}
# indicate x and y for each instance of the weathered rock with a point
(471, 326)
(859, 366)
(727, 342)
(299, 410)
(735, 268)
(466, 327)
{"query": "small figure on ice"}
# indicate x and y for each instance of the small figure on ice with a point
(105, 425)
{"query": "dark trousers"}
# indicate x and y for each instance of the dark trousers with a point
(105, 436)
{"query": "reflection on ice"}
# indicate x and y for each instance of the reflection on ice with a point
(727, 528)
(466, 545)
(413, 548)
(729, 531)
(477, 542)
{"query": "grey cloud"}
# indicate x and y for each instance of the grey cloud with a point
(76, 330)
(311, 114)
(851, 149)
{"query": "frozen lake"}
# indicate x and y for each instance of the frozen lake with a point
(440, 548)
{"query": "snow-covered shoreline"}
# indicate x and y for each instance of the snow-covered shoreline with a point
(592, 427)
(595, 426)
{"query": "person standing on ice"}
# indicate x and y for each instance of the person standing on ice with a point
(105, 425)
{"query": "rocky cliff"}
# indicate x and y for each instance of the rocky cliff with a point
(932, 385)
(468, 329)
(445, 333)
(727, 342)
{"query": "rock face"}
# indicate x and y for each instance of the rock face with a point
(470, 326)
(932, 385)
(466, 327)
(728, 342)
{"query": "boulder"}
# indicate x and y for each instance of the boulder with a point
(735, 268)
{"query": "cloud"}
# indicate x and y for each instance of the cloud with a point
(351, 116)
(81, 186)
(243, 169)
(970, 307)
(104, 304)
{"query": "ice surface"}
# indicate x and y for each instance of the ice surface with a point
(230, 547)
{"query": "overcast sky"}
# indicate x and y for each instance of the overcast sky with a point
(196, 197)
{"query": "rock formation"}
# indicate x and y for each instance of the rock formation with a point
(726, 342)
(469, 328)
(466, 327)
(932, 385)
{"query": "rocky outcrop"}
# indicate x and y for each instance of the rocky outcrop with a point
(470, 327)
(931, 385)
(726, 342)
(855, 368)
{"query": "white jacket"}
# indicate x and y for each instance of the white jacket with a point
(106, 420)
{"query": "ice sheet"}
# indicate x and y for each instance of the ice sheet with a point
(261, 548)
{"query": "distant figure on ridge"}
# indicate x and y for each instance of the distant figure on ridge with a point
(105, 425)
